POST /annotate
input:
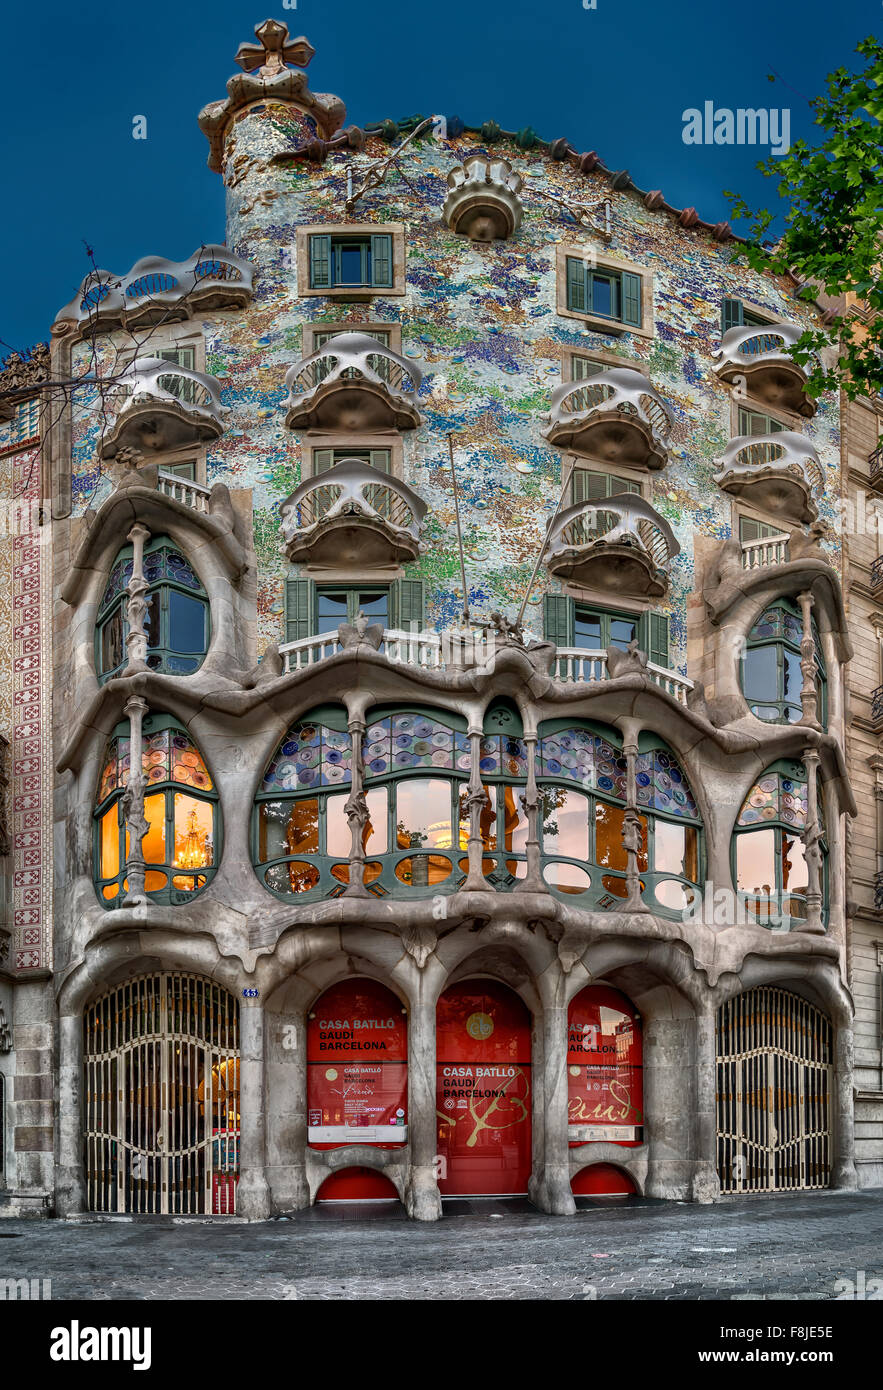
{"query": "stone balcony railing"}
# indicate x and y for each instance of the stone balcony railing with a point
(164, 407)
(620, 544)
(779, 473)
(760, 355)
(157, 290)
(458, 651)
(353, 382)
(185, 491)
(615, 416)
(772, 550)
(352, 514)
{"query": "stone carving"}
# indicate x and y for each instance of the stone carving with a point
(420, 942)
(620, 543)
(778, 472)
(5, 1032)
(616, 412)
(159, 289)
(631, 662)
(482, 201)
(361, 631)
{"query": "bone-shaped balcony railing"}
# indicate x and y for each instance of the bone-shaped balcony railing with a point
(785, 464)
(353, 493)
(163, 406)
(620, 395)
(212, 278)
(623, 519)
(347, 364)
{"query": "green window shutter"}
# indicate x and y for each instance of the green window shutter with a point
(631, 298)
(731, 314)
(589, 486)
(323, 459)
(583, 368)
(381, 259)
(657, 650)
(576, 285)
(299, 608)
(379, 459)
(558, 619)
(320, 262)
(406, 604)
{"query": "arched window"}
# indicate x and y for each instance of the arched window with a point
(177, 618)
(768, 861)
(582, 777)
(771, 675)
(180, 807)
(417, 765)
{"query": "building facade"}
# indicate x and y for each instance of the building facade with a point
(450, 678)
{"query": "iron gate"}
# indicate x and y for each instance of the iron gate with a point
(773, 1093)
(161, 1097)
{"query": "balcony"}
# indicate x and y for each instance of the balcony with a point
(877, 575)
(352, 514)
(875, 466)
(760, 356)
(353, 382)
(877, 709)
(164, 407)
(456, 651)
(763, 554)
(622, 546)
(615, 416)
(185, 491)
(776, 472)
(156, 290)
(482, 201)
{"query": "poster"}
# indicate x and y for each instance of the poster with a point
(604, 1068)
(357, 1074)
(483, 1091)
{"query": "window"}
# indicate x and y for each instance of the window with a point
(602, 293)
(583, 367)
(768, 858)
(323, 459)
(312, 610)
(26, 421)
(771, 676)
(751, 530)
(589, 627)
(177, 618)
(756, 422)
(591, 485)
(735, 314)
(181, 470)
(338, 261)
(180, 807)
(416, 774)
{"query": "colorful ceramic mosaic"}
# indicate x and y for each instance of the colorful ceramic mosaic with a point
(579, 756)
(408, 741)
(662, 786)
(310, 756)
(775, 798)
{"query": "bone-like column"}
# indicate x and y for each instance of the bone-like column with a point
(136, 607)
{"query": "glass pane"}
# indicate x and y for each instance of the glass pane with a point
(181, 470)
(112, 642)
(610, 852)
(756, 862)
(194, 832)
(154, 842)
(333, 607)
(151, 618)
(669, 847)
(424, 870)
(794, 874)
(587, 630)
(109, 864)
(186, 623)
(351, 256)
(567, 878)
(514, 820)
(288, 827)
(423, 813)
(761, 673)
(622, 631)
(792, 682)
(296, 877)
(603, 296)
(565, 824)
(374, 603)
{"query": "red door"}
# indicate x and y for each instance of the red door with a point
(604, 1068)
(357, 1072)
(483, 1090)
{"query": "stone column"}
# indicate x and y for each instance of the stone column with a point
(843, 1173)
(631, 829)
(812, 850)
(422, 1198)
(253, 1193)
(809, 697)
(357, 813)
(550, 1188)
(70, 1186)
(474, 802)
(133, 804)
(136, 608)
(705, 1186)
(533, 882)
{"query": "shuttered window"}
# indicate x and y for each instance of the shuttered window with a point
(607, 294)
(569, 624)
(589, 485)
(338, 262)
(758, 422)
(323, 459)
(735, 315)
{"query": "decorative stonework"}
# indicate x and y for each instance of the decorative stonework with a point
(482, 201)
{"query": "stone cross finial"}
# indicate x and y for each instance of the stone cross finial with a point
(274, 51)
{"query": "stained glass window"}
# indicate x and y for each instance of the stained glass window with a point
(662, 786)
(180, 807)
(772, 678)
(407, 741)
(310, 756)
(768, 856)
(177, 617)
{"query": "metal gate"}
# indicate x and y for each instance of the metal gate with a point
(774, 1077)
(161, 1097)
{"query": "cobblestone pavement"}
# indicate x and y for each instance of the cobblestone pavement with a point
(762, 1247)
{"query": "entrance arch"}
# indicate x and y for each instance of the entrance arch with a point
(483, 1095)
(161, 1097)
(774, 1079)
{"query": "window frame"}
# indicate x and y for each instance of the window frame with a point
(105, 614)
(797, 773)
(353, 231)
(613, 264)
(781, 642)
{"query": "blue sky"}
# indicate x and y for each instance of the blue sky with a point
(615, 79)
